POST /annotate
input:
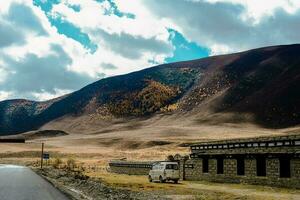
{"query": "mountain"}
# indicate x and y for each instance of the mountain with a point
(260, 86)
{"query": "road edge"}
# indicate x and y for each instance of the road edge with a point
(65, 190)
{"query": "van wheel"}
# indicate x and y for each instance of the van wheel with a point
(150, 178)
(175, 181)
(161, 179)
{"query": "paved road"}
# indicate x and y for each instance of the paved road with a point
(20, 183)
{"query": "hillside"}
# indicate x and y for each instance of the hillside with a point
(259, 86)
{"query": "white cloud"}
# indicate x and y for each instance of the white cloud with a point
(232, 25)
(43, 96)
(117, 37)
(217, 49)
(4, 95)
(92, 15)
(257, 9)
(35, 66)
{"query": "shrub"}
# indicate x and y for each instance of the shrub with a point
(71, 164)
(80, 167)
(57, 162)
(170, 158)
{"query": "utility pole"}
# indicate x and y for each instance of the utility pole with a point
(42, 155)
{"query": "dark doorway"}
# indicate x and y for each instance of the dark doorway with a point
(261, 166)
(285, 167)
(205, 165)
(240, 163)
(220, 166)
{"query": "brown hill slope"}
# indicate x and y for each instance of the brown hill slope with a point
(260, 85)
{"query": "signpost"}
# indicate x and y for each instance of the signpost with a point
(42, 155)
(46, 156)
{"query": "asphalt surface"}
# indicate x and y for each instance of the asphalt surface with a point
(21, 183)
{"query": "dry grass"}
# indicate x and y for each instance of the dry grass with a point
(174, 191)
(196, 189)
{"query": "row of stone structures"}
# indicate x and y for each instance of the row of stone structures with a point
(265, 160)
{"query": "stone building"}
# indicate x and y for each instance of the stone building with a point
(264, 160)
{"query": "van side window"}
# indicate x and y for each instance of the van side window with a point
(155, 167)
(172, 166)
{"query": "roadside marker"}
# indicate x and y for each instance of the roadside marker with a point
(42, 155)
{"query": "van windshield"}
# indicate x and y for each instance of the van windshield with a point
(172, 166)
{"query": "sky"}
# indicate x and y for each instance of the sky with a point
(49, 48)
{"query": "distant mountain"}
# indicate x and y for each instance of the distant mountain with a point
(263, 83)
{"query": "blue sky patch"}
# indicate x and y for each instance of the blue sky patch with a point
(64, 27)
(185, 50)
(76, 8)
(71, 31)
(114, 10)
(46, 6)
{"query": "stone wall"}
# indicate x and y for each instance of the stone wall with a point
(272, 178)
(250, 168)
(295, 165)
(130, 167)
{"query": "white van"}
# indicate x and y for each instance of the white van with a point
(164, 171)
